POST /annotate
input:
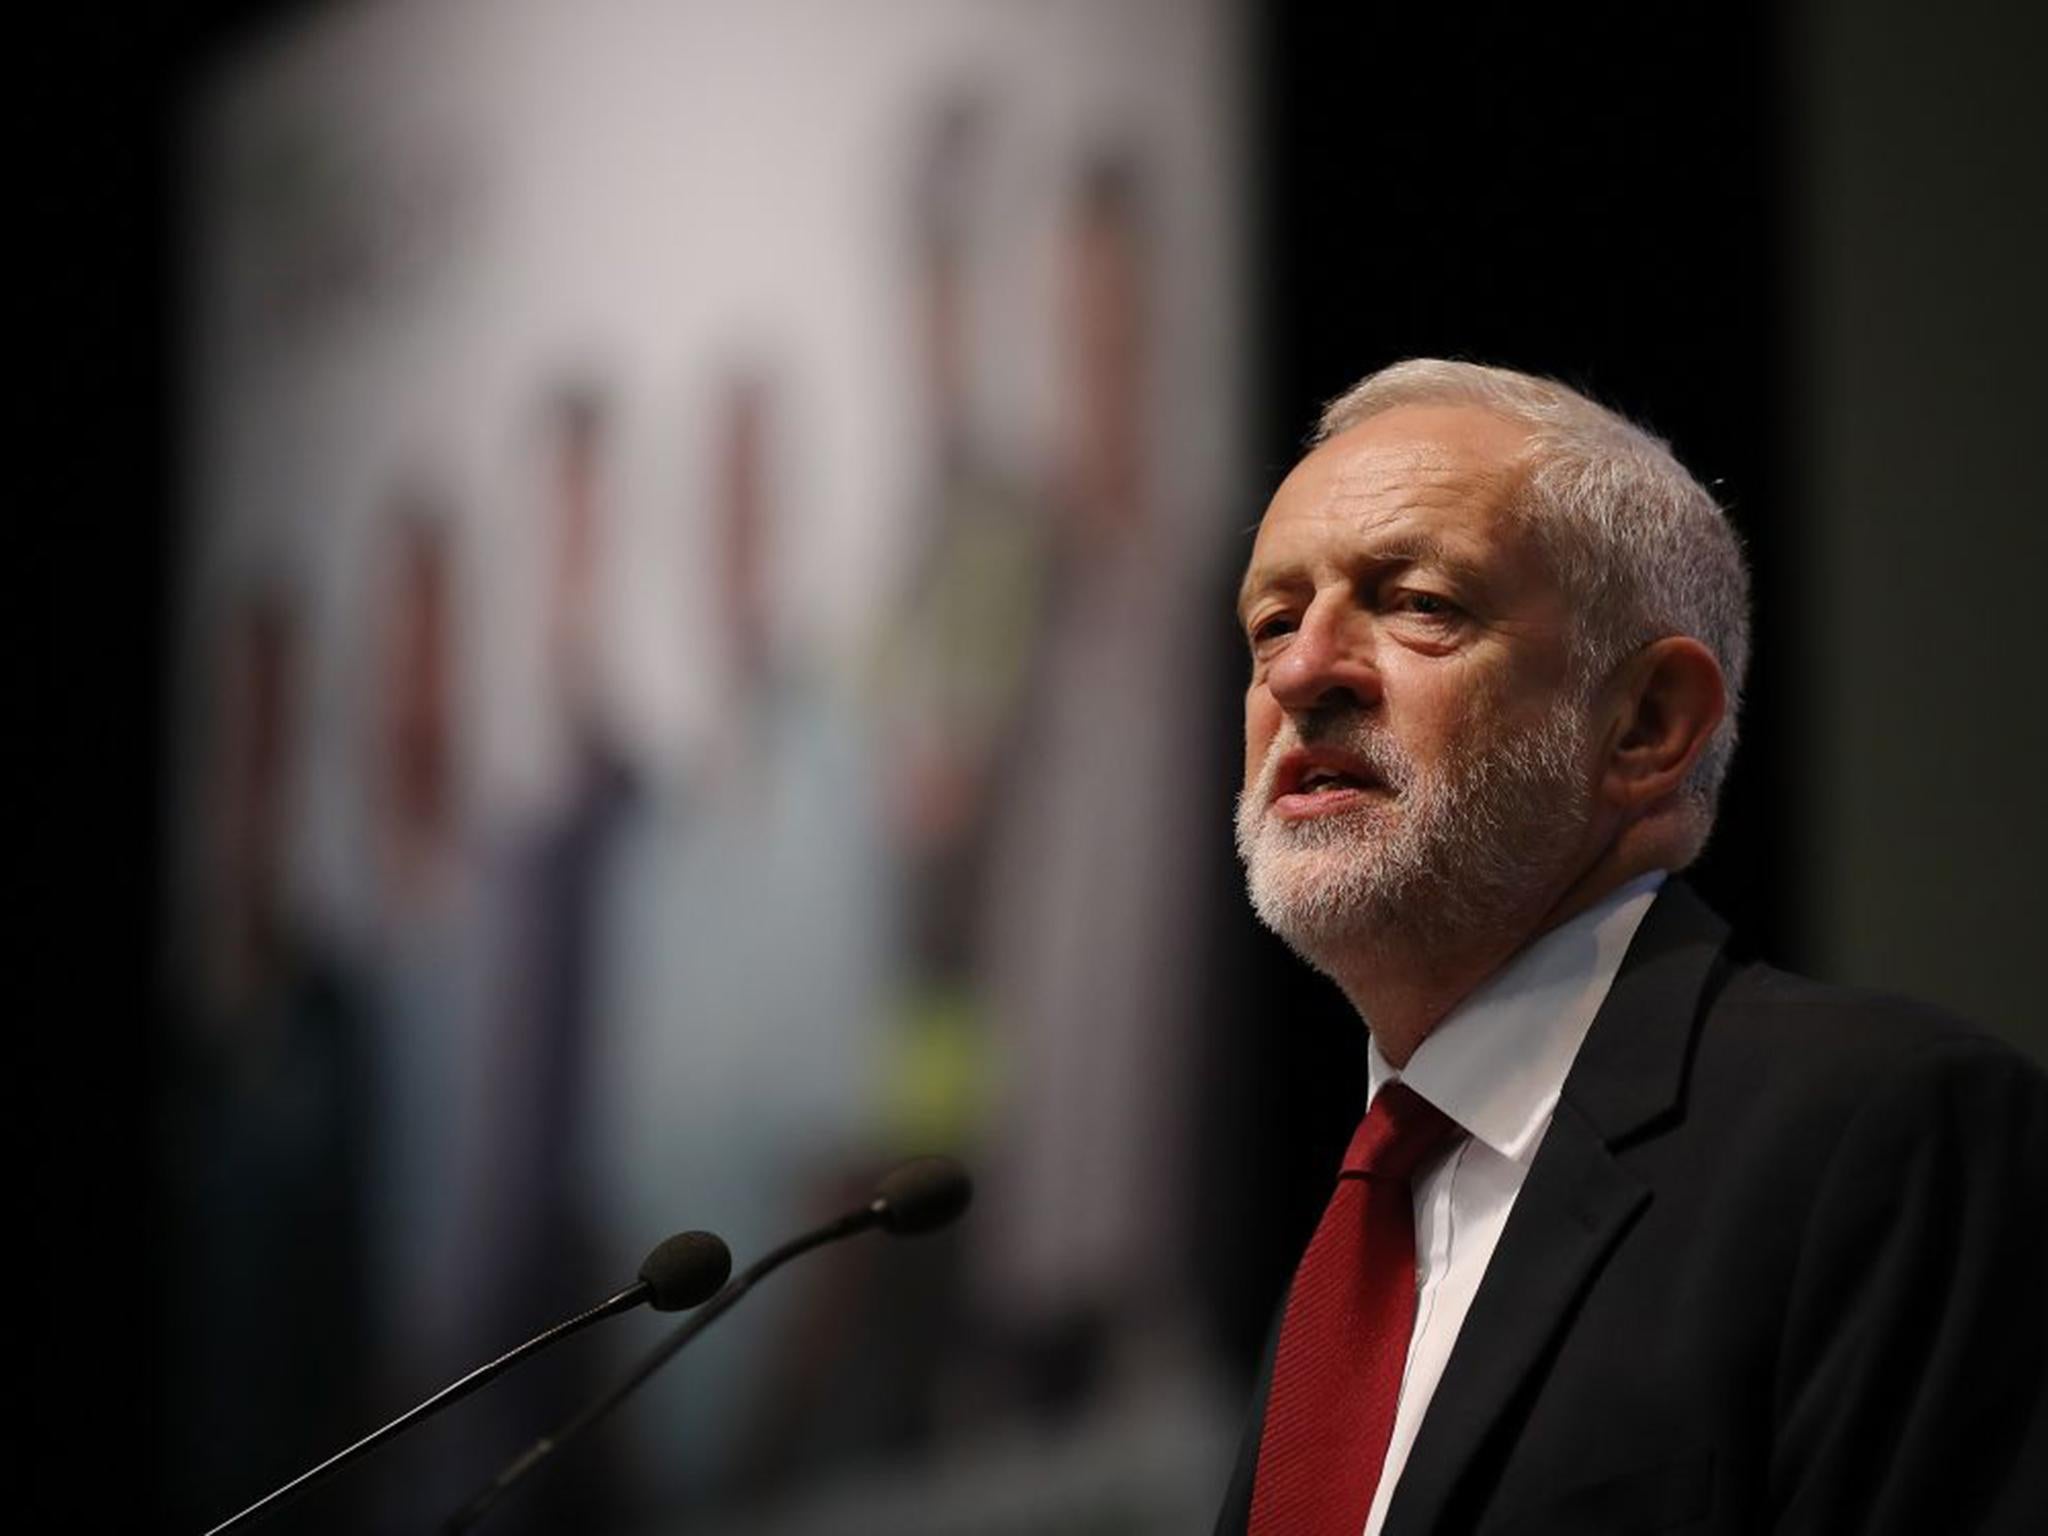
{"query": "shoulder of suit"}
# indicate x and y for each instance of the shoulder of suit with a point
(1803, 1012)
(1787, 1044)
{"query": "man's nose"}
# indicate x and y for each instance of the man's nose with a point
(1328, 662)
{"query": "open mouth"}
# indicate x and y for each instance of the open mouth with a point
(1320, 781)
(1321, 784)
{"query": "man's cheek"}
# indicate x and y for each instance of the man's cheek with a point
(1258, 742)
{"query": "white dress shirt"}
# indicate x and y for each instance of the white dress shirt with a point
(1495, 1065)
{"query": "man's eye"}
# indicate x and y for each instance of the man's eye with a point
(1271, 629)
(1426, 605)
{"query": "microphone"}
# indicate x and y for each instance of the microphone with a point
(921, 1195)
(680, 1272)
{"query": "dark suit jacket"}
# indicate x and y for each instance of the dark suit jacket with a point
(1780, 1265)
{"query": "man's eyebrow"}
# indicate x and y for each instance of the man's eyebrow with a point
(1247, 589)
(1419, 546)
(1407, 547)
(1438, 555)
(1258, 580)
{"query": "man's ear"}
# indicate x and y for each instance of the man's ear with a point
(1670, 697)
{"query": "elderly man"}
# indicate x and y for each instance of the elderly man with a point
(1632, 1237)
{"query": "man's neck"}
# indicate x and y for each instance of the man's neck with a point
(1407, 983)
(1404, 987)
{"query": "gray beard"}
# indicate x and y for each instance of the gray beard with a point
(1451, 853)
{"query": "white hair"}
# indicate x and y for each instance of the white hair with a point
(1638, 545)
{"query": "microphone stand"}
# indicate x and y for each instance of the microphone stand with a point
(681, 1271)
(520, 1466)
(482, 1376)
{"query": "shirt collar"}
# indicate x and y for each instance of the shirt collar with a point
(1497, 1062)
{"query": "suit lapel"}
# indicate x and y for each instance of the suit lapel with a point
(1235, 1517)
(1577, 1204)
(1574, 1208)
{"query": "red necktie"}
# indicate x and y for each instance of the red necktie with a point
(1344, 1340)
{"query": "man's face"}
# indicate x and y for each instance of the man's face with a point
(1415, 762)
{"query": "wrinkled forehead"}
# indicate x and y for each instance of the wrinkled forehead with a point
(1454, 490)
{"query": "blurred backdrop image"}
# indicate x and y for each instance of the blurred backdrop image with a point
(640, 628)
(697, 518)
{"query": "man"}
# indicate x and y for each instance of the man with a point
(1633, 1238)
